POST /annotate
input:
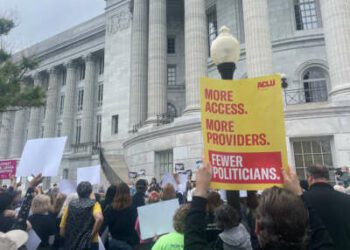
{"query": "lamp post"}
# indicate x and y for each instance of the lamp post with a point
(225, 52)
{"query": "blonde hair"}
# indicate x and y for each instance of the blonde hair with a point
(168, 193)
(70, 197)
(41, 204)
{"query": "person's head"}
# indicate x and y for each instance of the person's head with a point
(5, 201)
(110, 194)
(153, 197)
(226, 217)
(304, 185)
(122, 197)
(13, 240)
(154, 180)
(180, 217)
(141, 186)
(281, 220)
(41, 204)
(58, 203)
(214, 201)
(317, 173)
(168, 192)
(70, 197)
(84, 189)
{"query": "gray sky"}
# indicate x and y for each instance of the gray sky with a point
(40, 19)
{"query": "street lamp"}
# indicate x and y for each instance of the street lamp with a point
(225, 52)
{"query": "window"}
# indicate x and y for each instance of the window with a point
(212, 24)
(315, 85)
(115, 124)
(171, 45)
(100, 95)
(80, 99)
(307, 14)
(101, 65)
(77, 131)
(310, 151)
(98, 128)
(64, 77)
(61, 104)
(164, 162)
(171, 75)
(82, 71)
(59, 129)
(171, 112)
(65, 173)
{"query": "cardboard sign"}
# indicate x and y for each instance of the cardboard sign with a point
(7, 169)
(151, 225)
(90, 174)
(41, 156)
(243, 132)
(67, 187)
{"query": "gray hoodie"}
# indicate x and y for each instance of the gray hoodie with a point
(236, 238)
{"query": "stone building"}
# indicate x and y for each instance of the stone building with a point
(128, 81)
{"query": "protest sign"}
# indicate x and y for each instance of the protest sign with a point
(90, 174)
(33, 240)
(151, 225)
(7, 169)
(168, 178)
(243, 132)
(67, 187)
(41, 156)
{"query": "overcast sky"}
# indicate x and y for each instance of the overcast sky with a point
(37, 20)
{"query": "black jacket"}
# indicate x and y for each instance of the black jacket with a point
(195, 233)
(333, 208)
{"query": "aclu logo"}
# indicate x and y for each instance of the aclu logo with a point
(266, 84)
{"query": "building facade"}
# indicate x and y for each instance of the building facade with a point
(127, 81)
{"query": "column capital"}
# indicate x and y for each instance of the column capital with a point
(90, 57)
(53, 70)
(36, 75)
(71, 64)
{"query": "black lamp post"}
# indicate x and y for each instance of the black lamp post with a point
(225, 52)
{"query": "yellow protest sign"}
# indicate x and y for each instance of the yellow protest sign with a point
(243, 132)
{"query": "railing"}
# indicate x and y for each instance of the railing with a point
(306, 95)
(162, 119)
(88, 147)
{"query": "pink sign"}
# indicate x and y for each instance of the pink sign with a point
(7, 169)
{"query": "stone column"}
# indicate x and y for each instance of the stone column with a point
(35, 114)
(139, 64)
(88, 100)
(69, 103)
(157, 60)
(51, 104)
(5, 134)
(196, 51)
(336, 27)
(18, 134)
(257, 38)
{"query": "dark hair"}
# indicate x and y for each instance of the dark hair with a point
(6, 199)
(214, 201)
(226, 217)
(110, 194)
(84, 189)
(122, 197)
(318, 172)
(283, 220)
(141, 186)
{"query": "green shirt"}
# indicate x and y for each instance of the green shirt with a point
(170, 241)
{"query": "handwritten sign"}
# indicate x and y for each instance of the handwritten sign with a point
(243, 132)
(7, 169)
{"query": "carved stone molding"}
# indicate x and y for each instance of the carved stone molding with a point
(119, 21)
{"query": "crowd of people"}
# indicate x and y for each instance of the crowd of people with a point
(302, 215)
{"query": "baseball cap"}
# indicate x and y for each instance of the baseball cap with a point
(12, 240)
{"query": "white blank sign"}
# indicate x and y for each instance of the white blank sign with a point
(151, 225)
(41, 156)
(90, 174)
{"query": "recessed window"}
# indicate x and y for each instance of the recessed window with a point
(171, 75)
(164, 162)
(77, 131)
(307, 14)
(100, 95)
(98, 128)
(311, 151)
(115, 120)
(59, 129)
(65, 173)
(61, 104)
(171, 45)
(212, 24)
(82, 71)
(315, 85)
(101, 65)
(64, 77)
(80, 99)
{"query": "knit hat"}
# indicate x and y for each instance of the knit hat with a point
(12, 240)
